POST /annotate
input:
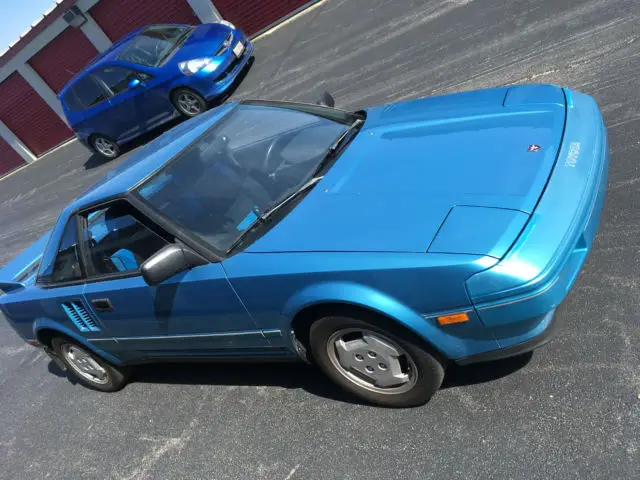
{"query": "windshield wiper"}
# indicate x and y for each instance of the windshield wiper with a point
(270, 211)
(178, 43)
(342, 140)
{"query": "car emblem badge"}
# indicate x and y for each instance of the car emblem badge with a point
(533, 148)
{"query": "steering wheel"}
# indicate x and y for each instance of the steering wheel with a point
(273, 150)
(221, 146)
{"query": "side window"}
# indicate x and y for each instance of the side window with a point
(117, 242)
(84, 94)
(117, 78)
(70, 99)
(66, 266)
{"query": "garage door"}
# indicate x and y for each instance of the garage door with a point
(9, 159)
(65, 56)
(27, 116)
(119, 17)
(252, 16)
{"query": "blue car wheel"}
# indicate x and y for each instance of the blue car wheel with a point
(188, 102)
(382, 364)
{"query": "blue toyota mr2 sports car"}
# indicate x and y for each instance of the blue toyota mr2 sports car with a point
(381, 244)
(149, 77)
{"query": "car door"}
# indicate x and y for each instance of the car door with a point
(59, 297)
(136, 105)
(196, 313)
(89, 109)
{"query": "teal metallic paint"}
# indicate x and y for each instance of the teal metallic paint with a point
(571, 203)
(507, 231)
(413, 162)
(469, 230)
(403, 286)
(42, 324)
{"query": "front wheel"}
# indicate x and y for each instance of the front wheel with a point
(188, 102)
(379, 363)
(88, 368)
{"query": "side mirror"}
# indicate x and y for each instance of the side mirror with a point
(167, 262)
(135, 83)
(326, 100)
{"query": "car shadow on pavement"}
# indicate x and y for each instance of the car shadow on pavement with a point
(476, 373)
(294, 375)
(96, 160)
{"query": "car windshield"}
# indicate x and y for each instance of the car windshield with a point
(251, 160)
(154, 44)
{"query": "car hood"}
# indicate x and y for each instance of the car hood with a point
(416, 163)
(204, 41)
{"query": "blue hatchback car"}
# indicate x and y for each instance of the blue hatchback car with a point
(149, 77)
(381, 244)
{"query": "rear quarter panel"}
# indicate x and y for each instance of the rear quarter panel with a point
(35, 309)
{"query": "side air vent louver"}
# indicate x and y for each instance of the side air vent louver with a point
(80, 317)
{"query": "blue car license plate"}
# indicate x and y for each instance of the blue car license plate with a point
(238, 49)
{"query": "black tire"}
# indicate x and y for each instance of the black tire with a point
(426, 379)
(105, 146)
(116, 377)
(198, 102)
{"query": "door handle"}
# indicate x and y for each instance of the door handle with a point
(102, 304)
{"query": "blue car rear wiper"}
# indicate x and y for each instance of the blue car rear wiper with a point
(271, 210)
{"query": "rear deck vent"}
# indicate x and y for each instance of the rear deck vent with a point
(80, 317)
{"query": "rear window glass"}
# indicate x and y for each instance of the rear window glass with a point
(84, 94)
(66, 266)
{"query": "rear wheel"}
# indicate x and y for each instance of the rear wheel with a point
(188, 102)
(88, 368)
(105, 146)
(381, 364)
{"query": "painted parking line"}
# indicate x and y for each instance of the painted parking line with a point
(289, 20)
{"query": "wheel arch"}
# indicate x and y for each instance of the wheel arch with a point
(314, 303)
(175, 88)
(46, 330)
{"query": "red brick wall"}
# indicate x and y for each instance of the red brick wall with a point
(254, 15)
(119, 17)
(65, 56)
(25, 113)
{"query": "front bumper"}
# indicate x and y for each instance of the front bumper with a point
(549, 325)
(214, 83)
(516, 298)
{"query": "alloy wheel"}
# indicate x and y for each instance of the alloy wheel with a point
(189, 103)
(105, 147)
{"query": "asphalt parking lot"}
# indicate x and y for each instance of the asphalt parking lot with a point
(572, 410)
